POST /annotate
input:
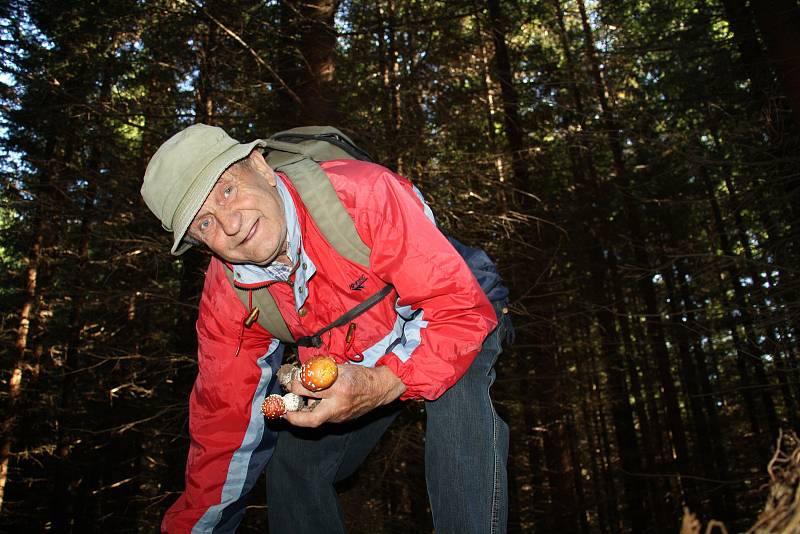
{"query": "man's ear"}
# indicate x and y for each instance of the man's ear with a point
(260, 164)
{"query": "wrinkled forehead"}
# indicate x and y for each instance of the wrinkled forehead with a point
(237, 171)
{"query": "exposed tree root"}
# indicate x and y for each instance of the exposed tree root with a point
(781, 513)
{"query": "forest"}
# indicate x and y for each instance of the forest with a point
(633, 166)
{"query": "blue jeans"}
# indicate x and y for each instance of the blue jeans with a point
(466, 450)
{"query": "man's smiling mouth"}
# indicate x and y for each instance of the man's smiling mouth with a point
(251, 233)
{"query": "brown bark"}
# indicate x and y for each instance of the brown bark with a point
(206, 79)
(577, 475)
(751, 58)
(193, 261)
(742, 356)
(511, 115)
(387, 58)
(755, 63)
(15, 383)
(315, 80)
(524, 466)
(535, 456)
(652, 438)
(617, 389)
(601, 263)
(490, 109)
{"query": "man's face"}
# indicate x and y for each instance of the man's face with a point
(242, 220)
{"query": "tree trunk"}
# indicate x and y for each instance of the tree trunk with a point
(610, 473)
(709, 397)
(491, 107)
(705, 463)
(64, 494)
(184, 339)
(551, 396)
(391, 92)
(535, 457)
(752, 61)
(743, 351)
(577, 475)
(753, 320)
(652, 438)
(315, 83)
(511, 116)
(15, 382)
(585, 381)
(583, 168)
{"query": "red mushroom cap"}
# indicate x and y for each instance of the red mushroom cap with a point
(273, 407)
(319, 373)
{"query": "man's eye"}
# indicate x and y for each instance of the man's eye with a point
(204, 224)
(227, 191)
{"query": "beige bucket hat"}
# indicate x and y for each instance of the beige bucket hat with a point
(182, 173)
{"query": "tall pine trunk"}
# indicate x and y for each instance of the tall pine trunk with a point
(490, 107)
(709, 397)
(510, 98)
(743, 354)
(317, 47)
(15, 382)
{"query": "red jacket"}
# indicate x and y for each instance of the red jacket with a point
(433, 326)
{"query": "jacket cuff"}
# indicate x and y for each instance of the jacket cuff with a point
(420, 385)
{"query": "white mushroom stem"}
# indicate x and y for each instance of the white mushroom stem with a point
(293, 403)
(287, 373)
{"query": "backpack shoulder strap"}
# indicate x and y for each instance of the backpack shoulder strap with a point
(325, 207)
(268, 315)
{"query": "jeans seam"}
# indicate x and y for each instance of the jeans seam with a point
(494, 516)
(495, 512)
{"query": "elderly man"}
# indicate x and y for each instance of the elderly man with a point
(434, 338)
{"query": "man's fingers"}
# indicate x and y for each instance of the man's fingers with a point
(309, 419)
(297, 388)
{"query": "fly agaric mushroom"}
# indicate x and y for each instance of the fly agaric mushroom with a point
(318, 373)
(274, 406)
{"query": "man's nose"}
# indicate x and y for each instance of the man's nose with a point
(231, 221)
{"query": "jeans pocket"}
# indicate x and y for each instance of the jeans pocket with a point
(505, 328)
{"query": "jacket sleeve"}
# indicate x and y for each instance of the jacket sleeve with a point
(451, 315)
(230, 444)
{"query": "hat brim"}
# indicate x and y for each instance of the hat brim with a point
(200, 189)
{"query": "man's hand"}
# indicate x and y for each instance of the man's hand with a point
(356, 391)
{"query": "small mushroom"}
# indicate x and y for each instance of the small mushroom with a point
(318, 373)
(275, 406)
